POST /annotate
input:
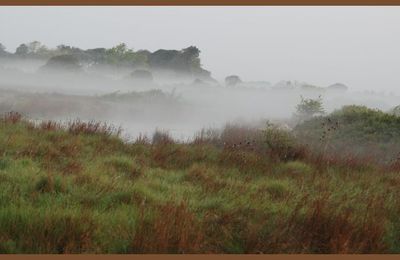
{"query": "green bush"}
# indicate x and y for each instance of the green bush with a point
(282, 144)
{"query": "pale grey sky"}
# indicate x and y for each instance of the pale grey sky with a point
(359, 46)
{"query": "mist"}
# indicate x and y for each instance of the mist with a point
(323, 45)
(182, 105)
(280, 54)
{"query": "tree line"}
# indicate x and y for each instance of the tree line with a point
(184, 61)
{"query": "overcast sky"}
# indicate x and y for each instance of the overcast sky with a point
(359, 46)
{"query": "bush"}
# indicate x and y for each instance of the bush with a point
(67, 63)
(162, 137)
(356, 130)
(395, 110)
(282, 144)
(232, 80)
(309, 107)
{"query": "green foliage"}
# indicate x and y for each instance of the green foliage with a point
(281, 143)
(186, 61)
(62, 62)
(34, 49)
(395, 111)
(120, 55)
(355, 129)
(309, 108)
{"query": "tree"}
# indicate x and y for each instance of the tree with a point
(34, 46)
(308, 108)
(395, 110)
(232, 80)
(22, 50)
(163, 59)
(81, 55)
(191, 58)
(2, 49)
(62, 63)
(97, 55)
(338, 87)
(119, 55)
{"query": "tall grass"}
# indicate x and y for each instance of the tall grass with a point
(78, 188)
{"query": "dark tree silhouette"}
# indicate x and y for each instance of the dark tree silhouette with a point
(232, 80)
(66, 63)
(22, 50)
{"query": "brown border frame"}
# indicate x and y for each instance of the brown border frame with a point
(201, 256)
(199, 2)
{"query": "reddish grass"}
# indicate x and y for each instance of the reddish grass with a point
(92, 127)
(12, 117)
(142, 140)
(174, 230)
(162, 138)
(200, 174)
(322, 228)
(50, 125)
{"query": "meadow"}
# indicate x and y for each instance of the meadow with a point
(77, 187)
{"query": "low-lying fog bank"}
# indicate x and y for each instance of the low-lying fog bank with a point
(182, 106)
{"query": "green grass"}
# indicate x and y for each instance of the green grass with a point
(86, 191)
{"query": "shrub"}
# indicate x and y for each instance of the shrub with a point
(67, 63)
(356, 130)
(232, 80)
(282, 144)
(309, 108)
(161, 137)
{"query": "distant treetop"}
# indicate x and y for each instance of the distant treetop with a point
(232, 80)
(186, 61)
(64, 62)
(338, 86)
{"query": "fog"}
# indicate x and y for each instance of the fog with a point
(276, 51)
(182, 107)
(354, 45)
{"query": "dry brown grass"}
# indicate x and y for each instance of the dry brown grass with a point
(174, 230)
(12, 117)
(92, 127)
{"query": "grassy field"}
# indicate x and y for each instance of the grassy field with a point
(78, 188)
